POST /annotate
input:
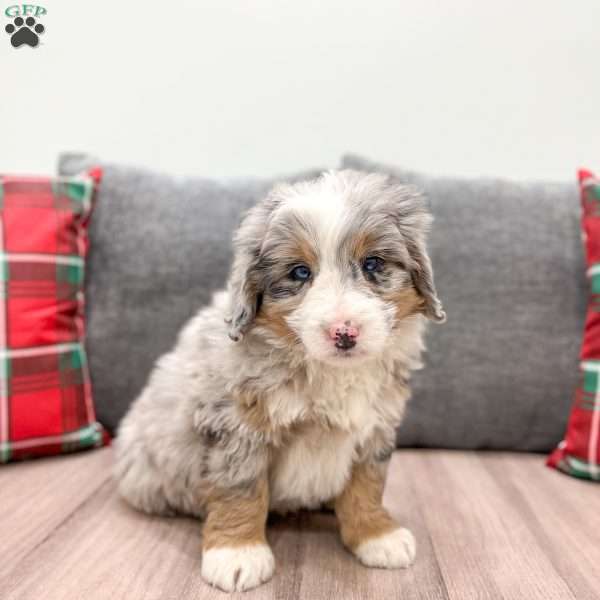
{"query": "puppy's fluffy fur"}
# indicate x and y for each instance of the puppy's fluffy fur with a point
(286, 416)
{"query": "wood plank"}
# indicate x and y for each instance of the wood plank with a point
(106, 550)
(488, 525)
(36, 496)
(331, 572)
(482, 542)
(563, 514)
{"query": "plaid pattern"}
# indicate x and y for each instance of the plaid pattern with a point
(45, 393)
(579, 453)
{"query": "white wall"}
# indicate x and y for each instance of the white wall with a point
(266, 86)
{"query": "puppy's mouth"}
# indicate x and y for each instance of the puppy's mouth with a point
(344, 357)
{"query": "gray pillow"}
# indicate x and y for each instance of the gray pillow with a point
(509, 269)
(159, 247)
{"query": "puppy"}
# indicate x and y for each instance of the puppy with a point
(325, 312)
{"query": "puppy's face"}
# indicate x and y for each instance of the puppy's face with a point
(336, 265)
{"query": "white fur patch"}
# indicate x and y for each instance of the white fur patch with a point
(393, 550)
(311, 470)
(238, 569)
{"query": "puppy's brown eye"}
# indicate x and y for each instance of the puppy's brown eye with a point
(373, 264)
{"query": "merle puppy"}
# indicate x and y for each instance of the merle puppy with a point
(286, 391)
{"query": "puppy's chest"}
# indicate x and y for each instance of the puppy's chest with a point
(310, 468)
(345, 400)
(328, 421)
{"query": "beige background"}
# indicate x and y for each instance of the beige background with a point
(265, 86)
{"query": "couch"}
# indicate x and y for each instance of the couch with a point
(491, 520)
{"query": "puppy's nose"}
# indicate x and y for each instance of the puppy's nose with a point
(344, 334)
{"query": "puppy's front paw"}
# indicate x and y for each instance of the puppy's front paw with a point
(392, 550)
(238, 569)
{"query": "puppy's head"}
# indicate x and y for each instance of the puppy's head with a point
(333, 265)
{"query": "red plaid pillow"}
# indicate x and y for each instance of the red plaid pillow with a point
(579, 453)
(45, 393)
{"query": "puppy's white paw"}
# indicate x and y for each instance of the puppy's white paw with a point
(392, 550)
(238, 569)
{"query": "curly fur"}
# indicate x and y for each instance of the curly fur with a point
(280, 408)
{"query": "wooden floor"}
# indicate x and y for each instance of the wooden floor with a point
(497, 526)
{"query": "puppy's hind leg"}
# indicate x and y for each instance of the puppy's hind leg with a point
(139, 481)
(235, 553)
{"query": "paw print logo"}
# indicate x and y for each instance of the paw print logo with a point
(24, 31)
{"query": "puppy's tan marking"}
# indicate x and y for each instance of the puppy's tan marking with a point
(272, 316)
(293, 242)
(254, 413)
(236, 517)
(359, 507)
(362, 243)
(273, 312)
(407, 301)
(304, 249)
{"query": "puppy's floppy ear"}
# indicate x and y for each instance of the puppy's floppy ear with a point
(245, 281)
(422, 276)
(414, 222)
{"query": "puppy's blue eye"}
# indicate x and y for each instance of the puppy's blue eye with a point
(300, 273)
(372, 264)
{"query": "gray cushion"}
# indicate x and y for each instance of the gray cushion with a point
(159, 247)
(509, 268)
